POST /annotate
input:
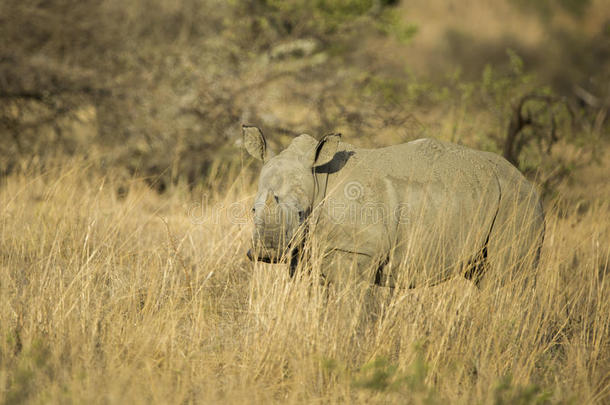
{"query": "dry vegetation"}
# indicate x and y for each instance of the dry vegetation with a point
(124, 200)
(149, 298)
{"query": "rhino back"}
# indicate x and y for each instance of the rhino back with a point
(433, 203)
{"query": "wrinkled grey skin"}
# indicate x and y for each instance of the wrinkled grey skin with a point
(426, 205)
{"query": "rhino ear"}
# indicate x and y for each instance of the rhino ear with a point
(255, 144)
(326, 149)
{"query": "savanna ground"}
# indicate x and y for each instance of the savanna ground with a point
(125, 199)
(149, 298)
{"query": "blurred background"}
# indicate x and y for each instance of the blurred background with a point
(159, 88)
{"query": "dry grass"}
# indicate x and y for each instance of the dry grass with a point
(136, 297)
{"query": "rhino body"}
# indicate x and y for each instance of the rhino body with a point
(421, 210)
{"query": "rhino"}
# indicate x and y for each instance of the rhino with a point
(418, 211)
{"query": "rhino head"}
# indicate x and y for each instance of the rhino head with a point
(286, 191)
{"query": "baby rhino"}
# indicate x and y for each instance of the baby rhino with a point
(415, 213)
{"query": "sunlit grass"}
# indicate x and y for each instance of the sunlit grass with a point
(139, 297)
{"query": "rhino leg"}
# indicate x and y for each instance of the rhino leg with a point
(343, 268)
(477, 266)
(350, 279)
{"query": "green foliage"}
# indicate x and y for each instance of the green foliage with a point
(546, 8)
(499, 87)
(526, 121)
(384, 377)
(325, 20)
(33, 365)
(506, 393)
(390, 90)
(534, 119)
(575, 7)
(380, 375)
(391, 23)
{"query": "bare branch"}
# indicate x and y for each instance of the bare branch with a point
(516, 139)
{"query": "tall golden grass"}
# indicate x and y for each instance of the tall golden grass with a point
(135, 297)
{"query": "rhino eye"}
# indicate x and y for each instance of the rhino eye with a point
(301, 216)
(277, 200)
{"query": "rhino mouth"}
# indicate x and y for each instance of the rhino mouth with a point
(268, 255)
(270, 248)
(260, 258)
